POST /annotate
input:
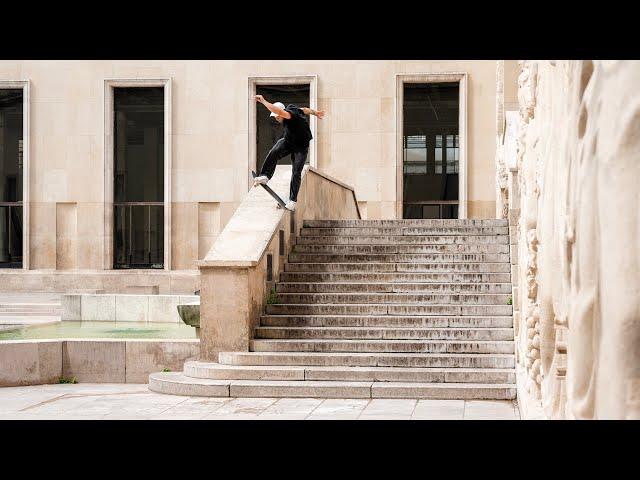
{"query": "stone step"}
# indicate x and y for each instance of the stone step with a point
(30, 307)
(381, 287)
(387, 309)
(396, 277)
(29, 312)
(390, 346)
(216, 371)
(483, 222)
(402, 240)
(399, 267)
(176, 383)
(410, 230)
(399, 258)
(384, 321)
(384, 333)
(443, 391)
(18, 320)
(379, 359)
(378, 298)
(179, 384)
(404, 249)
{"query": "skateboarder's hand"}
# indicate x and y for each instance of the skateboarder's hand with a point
(320, 113)
(259, 98)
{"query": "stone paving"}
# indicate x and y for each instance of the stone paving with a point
(135, 402)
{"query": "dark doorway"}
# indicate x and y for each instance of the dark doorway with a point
(139, 177)
(11, 171)
(268, 131)
(431, 150)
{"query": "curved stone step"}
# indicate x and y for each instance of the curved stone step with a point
(402, 239)
(387, 309)
(396, 277)
(399, 258)
(380, 359)
(178, 384)
(404, 230)
(386, 287)
(486, 267)
(391, 346)
(383, 321)
(216, 371)
(404, 249)
(383, 333)
(330, 223)
(394, 298)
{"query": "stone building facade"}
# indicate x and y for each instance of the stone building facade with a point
(70, 222)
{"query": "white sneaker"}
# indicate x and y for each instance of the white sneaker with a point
(261, 180)
(291, 205)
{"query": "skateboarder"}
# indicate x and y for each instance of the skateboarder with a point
(295, 140)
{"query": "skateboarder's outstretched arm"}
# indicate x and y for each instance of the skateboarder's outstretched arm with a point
(311, 111)
(273, 108)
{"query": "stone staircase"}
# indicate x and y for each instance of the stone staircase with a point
(378, 309)
(22, 309)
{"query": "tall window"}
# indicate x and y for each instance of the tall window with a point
(431, 150)
(11, 171)
(268, 131)
(139, 177)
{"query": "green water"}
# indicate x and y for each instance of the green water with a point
(99, 330)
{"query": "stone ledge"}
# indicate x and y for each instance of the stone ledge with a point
(37, 362)
(124, 307)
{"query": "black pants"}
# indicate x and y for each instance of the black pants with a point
(281, 149)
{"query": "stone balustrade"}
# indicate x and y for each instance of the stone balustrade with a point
(243, 264)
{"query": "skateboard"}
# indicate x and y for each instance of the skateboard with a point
(275, 196)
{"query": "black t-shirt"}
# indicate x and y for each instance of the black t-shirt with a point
(296, 129)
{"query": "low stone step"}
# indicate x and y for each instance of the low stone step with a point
(176, 383)
(387, 309)
(30, 307)
(379, 359)
(399, 267)
(396, 277)
(391, 346)
(216, 371)
(402, 240)
(305, 389)
(382, 287)
(383, 321)
(18, 320)
(421, 298)
(179, 384)
(405, 249)
(444, 391)
(410, 230)
(399, 258)
(384, 333)
(484, 222)
(30, 313)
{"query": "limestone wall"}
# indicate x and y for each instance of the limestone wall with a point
(209, 145)
(578, 234)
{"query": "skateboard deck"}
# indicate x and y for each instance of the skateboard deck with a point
(275, 196)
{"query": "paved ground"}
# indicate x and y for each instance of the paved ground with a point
(131, 401)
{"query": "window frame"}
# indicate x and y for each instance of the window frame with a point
(25, 85)
(109, 158)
